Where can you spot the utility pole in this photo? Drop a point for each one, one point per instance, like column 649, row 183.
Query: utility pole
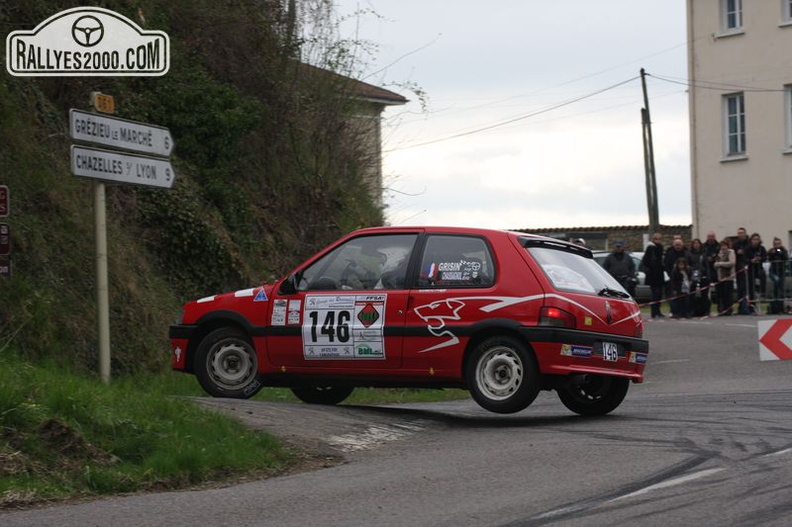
column 649, row 165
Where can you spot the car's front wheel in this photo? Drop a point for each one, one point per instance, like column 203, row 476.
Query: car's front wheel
column 323, row 393
column 226, row 364
column 502, row 375
column 599, row 395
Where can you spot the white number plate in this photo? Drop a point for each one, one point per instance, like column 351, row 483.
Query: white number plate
column 610, row 351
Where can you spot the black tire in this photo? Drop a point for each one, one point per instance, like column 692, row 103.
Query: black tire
column 226, row 364
column 328, row 394
column 502, row 375
column 598, row 396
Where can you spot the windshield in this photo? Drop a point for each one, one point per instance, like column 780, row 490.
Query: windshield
column 569, row 271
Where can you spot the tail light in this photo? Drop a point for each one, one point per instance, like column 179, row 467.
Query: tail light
column 553, row 316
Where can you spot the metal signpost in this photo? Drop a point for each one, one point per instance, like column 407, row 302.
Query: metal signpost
column 152, row 170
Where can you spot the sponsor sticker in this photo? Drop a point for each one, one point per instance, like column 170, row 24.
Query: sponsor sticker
column 637, row 358
column 346, row 327
column 572, row 350
column 279, row 312
column 261, row 296
column 294, row 312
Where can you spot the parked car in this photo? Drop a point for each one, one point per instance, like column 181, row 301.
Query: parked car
column 501, row 314
column 643, row 292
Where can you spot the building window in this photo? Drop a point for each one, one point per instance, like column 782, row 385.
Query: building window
column 731, row 14
column 786, row 10
column 734, row 106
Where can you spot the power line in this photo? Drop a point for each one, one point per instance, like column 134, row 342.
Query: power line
column 516, row 119
column 711, row 85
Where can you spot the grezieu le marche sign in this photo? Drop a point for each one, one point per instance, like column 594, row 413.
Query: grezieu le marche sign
column 120, row 133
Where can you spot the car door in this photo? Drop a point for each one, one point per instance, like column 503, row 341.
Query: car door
column 455, row 277
column 348, row 310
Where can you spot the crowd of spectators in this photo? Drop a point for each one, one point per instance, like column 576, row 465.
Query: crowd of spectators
column 728, row 272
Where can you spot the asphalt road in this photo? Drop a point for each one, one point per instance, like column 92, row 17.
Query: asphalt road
column 707, row 440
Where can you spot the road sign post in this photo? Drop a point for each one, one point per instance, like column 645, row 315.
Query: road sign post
column 127, row 166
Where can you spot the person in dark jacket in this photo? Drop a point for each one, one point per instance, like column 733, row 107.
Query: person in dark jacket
column 652, row 263
column 711, row 250
column 700, row 278
column 777, row 256
column 620, row 265
column 739, row 246
column 680, row 282
column 674, row 253
column 755, row 255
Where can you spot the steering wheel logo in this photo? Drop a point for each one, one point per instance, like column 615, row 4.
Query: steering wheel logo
column 87, row 31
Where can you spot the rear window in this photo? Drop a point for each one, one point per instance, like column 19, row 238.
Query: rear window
column 570, row 271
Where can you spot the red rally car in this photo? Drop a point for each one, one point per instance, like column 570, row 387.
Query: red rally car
column 502, row 314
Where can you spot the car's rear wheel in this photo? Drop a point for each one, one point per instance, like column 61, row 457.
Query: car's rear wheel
column 323, row 393
column 599, row 395
column 226, row 364
column 502, row 375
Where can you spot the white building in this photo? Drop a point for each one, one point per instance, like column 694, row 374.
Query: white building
column 740, row 73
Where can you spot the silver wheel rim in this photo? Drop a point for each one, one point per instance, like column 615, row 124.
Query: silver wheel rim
column 499, row 373
column 232, row 365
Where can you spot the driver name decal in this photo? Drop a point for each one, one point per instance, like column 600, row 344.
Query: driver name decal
column 346, row 327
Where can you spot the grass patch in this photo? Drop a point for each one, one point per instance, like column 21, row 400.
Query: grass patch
column 66, row 436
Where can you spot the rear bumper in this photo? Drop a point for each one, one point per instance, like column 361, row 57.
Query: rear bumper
column 562, row 351
column 582, row 338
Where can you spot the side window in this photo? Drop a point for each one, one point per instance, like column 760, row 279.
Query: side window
column 456, row 261
column 368, row 262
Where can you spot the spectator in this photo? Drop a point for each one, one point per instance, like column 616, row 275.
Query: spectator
column 652, row 263
column 672, row 255
column 680, row 282
column 755, row 255
column 711, row 250
column 725, row 263
column 700, row 281
column 698, row 257
column 739, row 247
column 777, row 256
column 621, row 266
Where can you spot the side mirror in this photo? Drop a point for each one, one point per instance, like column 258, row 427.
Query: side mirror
column 289, row 286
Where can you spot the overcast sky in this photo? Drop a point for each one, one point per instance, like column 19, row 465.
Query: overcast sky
column 569, row 156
